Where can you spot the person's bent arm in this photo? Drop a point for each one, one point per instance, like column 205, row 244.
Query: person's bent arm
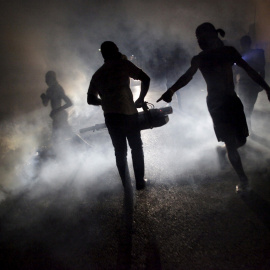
column 92, row 94
column 68, row 103
column 145, row 82
column 181, row 82
column 254, row 75
column 93, row 100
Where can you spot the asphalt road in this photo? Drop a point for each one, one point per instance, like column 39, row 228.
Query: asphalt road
column 189, row 216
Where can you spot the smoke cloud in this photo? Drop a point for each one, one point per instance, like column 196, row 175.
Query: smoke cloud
column 65, row 36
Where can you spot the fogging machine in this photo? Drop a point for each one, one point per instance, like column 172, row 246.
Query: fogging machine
column 149, row 118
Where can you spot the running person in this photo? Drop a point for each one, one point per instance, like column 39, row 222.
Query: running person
column 215, row 63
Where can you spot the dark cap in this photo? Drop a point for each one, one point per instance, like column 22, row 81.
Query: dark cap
column 109, row 50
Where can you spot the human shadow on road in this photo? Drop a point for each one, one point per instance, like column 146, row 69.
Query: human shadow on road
column 151, row 248
column 125, row 236
column 34, row 256
column 259, row 206
column 148, row 240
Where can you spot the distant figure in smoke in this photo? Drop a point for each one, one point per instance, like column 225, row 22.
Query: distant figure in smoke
column 55, row 94
column 175, row 61
column 112, row 83
column 215, row 63
column 247, row 89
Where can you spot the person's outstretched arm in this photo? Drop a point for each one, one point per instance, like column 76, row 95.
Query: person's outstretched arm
column 181, row 82
column 145, row 82
column 254, row 75
column 68, row 103
column 261, row 59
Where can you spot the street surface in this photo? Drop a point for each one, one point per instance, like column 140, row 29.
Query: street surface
column 76, row 215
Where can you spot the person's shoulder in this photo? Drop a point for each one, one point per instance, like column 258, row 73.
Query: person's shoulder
column 228, row 47
column 99, row 71
column 230, row 50
column 55, row 88
column 58, row 86
column 120, row 62
column 127, row 62
column 195, row 60
column 129, row 65
column 197, row 56
column 59, row 89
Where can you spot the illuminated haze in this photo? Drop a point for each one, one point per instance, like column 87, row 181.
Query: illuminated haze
column 65, row 36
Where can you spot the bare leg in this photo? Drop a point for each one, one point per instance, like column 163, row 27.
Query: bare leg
column 236, row 162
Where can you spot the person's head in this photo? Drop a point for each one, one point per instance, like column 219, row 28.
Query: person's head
column 245, row 42
column 207, row 36
column 50, row 78
column 109, row 50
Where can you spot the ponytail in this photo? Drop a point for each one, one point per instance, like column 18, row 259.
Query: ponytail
column 221, row 32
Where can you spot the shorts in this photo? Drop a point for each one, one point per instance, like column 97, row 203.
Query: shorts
column 228, row 118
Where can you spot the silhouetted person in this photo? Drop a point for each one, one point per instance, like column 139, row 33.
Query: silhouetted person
column 247, row 89
column 111, row 82
column 55, row 94
column 215, row 63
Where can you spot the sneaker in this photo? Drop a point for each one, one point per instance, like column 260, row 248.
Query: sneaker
column 142, row 185
column 242, row 188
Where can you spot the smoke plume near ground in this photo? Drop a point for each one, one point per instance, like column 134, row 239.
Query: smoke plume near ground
column 184, row 147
